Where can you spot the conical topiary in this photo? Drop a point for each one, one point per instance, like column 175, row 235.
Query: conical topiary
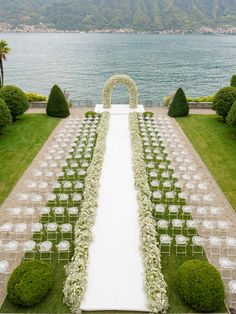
column 231, row 118
column 179, row 106
column 57, row 105
column 233, row 81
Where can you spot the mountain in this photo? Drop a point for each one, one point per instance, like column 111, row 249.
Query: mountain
column 140, row 15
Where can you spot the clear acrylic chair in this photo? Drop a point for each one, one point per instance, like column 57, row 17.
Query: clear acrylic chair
column 63, row 251
column 165, row 244
column 45, row 251
column 28, row 248
column 198, row 245
column 4, row 271
column 181, row 243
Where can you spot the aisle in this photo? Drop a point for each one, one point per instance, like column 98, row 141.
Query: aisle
column 115, row 270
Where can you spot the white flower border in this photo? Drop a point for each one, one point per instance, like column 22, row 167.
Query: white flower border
column 76, row 270
column 120, row 79
column 155, row 284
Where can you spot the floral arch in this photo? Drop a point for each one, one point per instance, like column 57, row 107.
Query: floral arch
column 117, row 80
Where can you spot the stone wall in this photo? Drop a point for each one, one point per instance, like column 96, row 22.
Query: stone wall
column 38, row 104
column 200, row 105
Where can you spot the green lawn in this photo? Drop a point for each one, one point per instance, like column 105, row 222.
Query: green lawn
column 215, row 142
column 19, row 144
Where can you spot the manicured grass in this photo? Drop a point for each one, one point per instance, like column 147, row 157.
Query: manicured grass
column 19, row 144
column 215, row 142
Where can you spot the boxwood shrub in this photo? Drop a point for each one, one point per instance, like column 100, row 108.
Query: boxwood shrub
column 233, row 81
column 33, row 97
column 29, row 283
column 179, row 106
column 200, row 285
column 15, row 99
column 148, row 114
column 57, row 105
column 231, row 118
column 5, row 115
column 223, row 101
column 90, row 114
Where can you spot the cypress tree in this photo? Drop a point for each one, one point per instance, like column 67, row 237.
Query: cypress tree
column 233, row 81
column 179, row 106
column 57, row 105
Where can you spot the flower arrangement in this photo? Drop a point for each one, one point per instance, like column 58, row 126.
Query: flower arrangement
column 76, row 270
column 120, row 79
column 155, row 284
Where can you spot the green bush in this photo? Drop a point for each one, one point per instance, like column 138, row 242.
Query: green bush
column 57, row 105
column 233, row 81
column 15, row 99
column 179, row 106
column 29, row 283
column 223, row 101
column 202, row 99
column 33, row 97
column 148, row 114
column 231, row 117
column 5, row 115
column 200, row 285
column 90, row 114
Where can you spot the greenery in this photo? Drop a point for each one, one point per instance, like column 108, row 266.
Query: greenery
column 200, row 285
column 5, row 115
column 148, row 114
column 32, row 97
column 29, row 283
column 202, row 99
column 15, row 99
column 231, row 118
column 233, row 81
column 19, row 144
column 90, row 114
column 179, row 106
column 4, row 50
column 57, row 105
column 210, row 137
column 223, row 101
column 142, row 15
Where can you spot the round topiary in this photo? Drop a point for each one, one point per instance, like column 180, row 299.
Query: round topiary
column 57, row 105
column 148, row 114
column 15, row 99
column 200, row 285
column 179, row 106
column 231, row 117
column 5, row 115
column 233, row 81
column 223, row 101
column 29, row 283
column 90, row 114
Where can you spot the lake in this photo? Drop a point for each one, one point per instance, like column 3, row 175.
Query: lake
column 80, row 63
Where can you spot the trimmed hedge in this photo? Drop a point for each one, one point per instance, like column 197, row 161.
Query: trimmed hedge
column 231, row 118
column 179, row 106
column 29, row 283
column 57, row 105
column 233, row 81
column 15, row 99
column 5, row 115
column 223, row 101
column 200, row 285
column 90, row 114
column 33, row 97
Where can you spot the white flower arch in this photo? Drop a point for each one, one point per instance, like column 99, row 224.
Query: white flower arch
column 124, row 80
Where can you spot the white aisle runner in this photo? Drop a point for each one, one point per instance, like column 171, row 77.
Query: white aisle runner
column 115, row 270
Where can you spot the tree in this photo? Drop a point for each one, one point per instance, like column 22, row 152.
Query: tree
column 15, row 99
column 231, row 118
column 233, row 81
column 4, row 50
column 179, row 106
column 57, row 105
column 223, row 101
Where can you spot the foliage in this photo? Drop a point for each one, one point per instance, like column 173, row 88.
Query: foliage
column 76, row 270
column 57, row 105
column 233, row 81
column 223, row 101
column 90, row 114
column 140, row 15
column 116, row 80
column 202, row 99
column 33, row 97
column 15, row 99
column 179, row 106
column 231, row 118
column 4, row 50
column 29, row 283
column 148, row 114
column 154, row 281
column 200, row 285
column 5, row 115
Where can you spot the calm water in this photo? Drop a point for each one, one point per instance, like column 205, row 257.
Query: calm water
column 80, row 63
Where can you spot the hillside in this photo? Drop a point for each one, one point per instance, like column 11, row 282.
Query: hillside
column 142, row 15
